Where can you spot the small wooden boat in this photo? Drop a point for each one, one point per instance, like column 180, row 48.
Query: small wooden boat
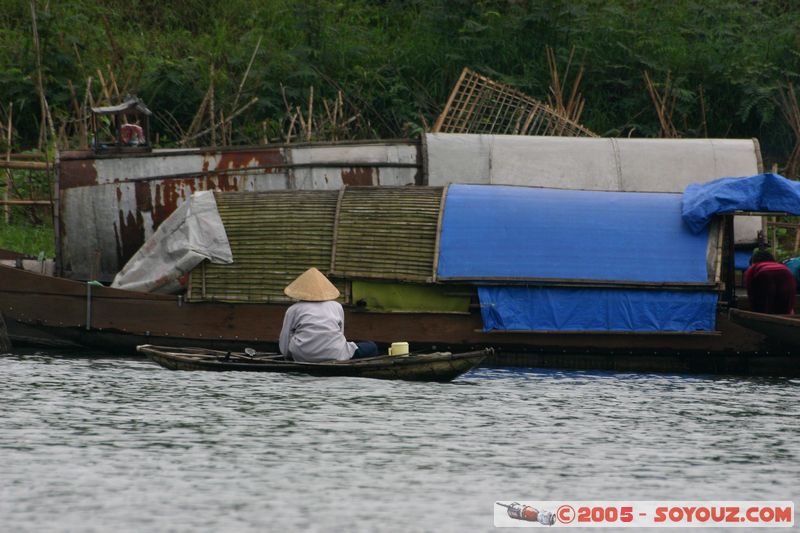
column 782, row 329
column 437, row 366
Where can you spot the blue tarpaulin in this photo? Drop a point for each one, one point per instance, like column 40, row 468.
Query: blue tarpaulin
column 525, row 233
column 762, row 193
column 741, row 259
column 596, row 309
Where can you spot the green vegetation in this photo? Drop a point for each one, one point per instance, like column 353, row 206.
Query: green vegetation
column 28, row 239
column 784, row 239
column 30, row 228
column 395, row 61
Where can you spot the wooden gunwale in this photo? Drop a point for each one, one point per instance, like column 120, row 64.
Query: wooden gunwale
column 778, row 328
column 442, row 366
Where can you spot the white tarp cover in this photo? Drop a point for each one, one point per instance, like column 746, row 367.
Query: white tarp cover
column 593, row 164
column 192, row 233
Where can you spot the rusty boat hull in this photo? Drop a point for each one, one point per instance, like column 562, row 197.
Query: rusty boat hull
column 131, row 194
column 50, row 311
column 437, row 366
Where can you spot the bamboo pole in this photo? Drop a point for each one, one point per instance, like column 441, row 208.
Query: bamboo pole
column 223, row 130
column 791, row 112
column 310, row 113
column 556, row 88
column 28, row 157
column 87, row 104
column 774, row 239
column 198, row 117
column 227, row 120
column 113, row 80
column 23, row 165
column 575, row 103
column 9, row 182
column 104, row 86
column 301, row 118
column 664, row 106
column 328, row 116
column 211, row 114
column 336, row 112
column 285, row 100
column 79, row 116
column 796, row 239
column 246, row 73
column 47, row 119
column 291, row 127
column 88, row 100
column 718, row 258
column 8, row 203
column 437, row 126
column 703, row 111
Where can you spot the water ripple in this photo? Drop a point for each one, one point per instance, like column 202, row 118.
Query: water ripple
column 94, row 443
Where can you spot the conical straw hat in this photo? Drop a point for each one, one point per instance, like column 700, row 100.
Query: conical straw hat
column 311, row 286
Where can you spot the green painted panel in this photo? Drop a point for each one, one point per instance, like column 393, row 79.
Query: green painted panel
column 408, row 297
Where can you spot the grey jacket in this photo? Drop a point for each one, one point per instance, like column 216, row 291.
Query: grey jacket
column 314, row 331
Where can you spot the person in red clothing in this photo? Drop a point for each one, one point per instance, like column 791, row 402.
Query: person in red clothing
column 770, row 285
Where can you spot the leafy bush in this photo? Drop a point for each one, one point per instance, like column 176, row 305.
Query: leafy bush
column 396, row 60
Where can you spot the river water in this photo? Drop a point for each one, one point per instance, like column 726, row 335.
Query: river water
column 110, row 444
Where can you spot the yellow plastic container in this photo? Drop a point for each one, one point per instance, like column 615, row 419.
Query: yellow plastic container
column 398, row 348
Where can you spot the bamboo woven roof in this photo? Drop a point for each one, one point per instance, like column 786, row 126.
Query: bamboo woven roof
column 359, row 232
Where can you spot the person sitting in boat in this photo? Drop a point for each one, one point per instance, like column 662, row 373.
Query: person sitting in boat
column 770, row 285
column 313, row 328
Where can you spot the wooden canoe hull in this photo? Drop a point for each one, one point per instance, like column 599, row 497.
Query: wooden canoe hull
column 439, row 367
column 779, row 329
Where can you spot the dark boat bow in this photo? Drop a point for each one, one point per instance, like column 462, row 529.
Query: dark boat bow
column 780, row 329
